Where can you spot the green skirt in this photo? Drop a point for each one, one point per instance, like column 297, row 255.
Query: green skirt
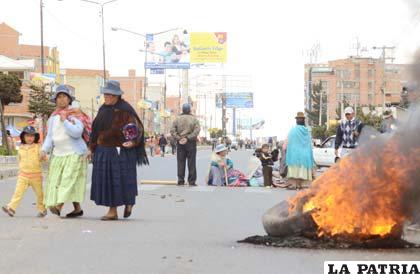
column 299, row 172
column 66, row 180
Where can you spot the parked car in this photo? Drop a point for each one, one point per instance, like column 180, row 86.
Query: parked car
column 324, row 154
column 234, row 145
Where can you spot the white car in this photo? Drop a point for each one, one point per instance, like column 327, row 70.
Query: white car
column 324, row 154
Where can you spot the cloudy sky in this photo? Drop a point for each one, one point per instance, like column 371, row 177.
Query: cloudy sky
column 267, row 40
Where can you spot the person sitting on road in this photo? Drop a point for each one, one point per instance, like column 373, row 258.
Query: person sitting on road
column 219, row 166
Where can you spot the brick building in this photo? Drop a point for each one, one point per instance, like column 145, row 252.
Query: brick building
column 357, row 81
column 10, row 47
column 17, row 114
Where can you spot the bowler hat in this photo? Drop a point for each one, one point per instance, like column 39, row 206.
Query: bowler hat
column 112, row 87
column 300, row 114
column 64, row 89
column 220, row 148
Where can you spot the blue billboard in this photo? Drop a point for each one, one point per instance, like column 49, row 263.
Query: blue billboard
column 168, row 50
column 235, row 100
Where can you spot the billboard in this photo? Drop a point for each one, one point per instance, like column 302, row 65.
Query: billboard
column 208, row 47
column 236, row 100
column 169, row 50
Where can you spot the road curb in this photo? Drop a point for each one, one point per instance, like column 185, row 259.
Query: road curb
column 8, row 173
column 156, row 182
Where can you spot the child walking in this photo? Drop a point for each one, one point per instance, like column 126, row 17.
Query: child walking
column 30, row 172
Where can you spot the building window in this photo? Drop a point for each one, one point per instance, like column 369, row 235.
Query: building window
column 370, row 86
column 370, row 73
column 357, row 71
column 370, row 99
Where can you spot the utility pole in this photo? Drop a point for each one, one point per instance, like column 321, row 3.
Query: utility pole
column 42, row 36
column 224, row 105
column 383, row 59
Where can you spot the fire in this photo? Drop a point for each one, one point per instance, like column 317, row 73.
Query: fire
column 362, row 195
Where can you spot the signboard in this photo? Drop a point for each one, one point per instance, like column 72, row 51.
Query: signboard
column 236, row 100
column 157, row 71
column 208, row 47
column 169, row 50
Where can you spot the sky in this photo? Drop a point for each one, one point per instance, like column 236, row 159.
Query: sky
column 268, row 41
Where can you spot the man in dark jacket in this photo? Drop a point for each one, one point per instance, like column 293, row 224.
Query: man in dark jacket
column 348, row 132
column 185, row 130
column 162, row 144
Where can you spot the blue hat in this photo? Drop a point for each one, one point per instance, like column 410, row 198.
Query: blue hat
column 186, row 108
column 29, row 130
column 64, row 89
column 112, row 87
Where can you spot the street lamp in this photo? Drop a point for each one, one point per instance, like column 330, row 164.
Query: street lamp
column 103, row 31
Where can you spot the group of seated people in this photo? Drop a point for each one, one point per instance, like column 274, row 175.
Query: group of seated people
column 264, row 169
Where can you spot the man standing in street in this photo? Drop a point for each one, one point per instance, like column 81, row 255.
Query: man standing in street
column 348, row 132
column 185, row 130
column 162, row 144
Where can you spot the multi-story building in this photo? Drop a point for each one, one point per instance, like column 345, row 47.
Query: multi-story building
column 10, row 47
column 357, row 81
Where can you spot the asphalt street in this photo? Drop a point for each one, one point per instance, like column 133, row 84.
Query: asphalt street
column 173, row 230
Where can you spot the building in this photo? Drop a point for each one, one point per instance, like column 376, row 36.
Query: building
column 357, row 81
column 17, row 114
column 87, row 84
column 10, row 47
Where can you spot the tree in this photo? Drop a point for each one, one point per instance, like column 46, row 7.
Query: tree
column 369, row 119
column 215, row 132
column 9, row 93
column 40, row 103
column 313, row 113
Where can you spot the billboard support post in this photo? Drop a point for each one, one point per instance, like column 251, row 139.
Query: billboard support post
column 234, row 122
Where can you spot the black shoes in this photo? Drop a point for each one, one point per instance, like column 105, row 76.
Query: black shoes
column 75, row 214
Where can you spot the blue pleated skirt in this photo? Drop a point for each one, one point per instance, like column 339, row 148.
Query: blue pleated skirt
column 114, row 177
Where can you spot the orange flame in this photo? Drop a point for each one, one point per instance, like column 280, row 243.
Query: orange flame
column 361, row 195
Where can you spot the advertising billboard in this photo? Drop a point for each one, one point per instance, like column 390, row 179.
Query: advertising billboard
column 169, row 50
column 208, row 47
column 236, row 100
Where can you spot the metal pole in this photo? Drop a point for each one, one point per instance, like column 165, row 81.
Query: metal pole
column 42, row 37
column 164, row 106
column 320, row 109
column 144, row 81
column 103, row 41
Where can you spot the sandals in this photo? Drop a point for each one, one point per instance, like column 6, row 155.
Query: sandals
column 42, row 214
column 8, row 211
column 127, row 213
column 75, row 214
column 54, row 210
column 109, row 218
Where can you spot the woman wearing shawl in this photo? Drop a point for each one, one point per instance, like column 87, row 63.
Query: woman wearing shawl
column 116, row 153
column 299, row 156
column 67, row 128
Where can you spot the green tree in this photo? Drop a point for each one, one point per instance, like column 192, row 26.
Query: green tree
column 318, row 132
column 313, row 114
column 40, row 103
column 369, row 119
column 9, row 93
column 215, row 132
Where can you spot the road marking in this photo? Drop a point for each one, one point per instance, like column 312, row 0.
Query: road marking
column 202, row 188
column 257, row 190
column 148, row 187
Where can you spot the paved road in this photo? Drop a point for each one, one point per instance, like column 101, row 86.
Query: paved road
column 173, row 230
